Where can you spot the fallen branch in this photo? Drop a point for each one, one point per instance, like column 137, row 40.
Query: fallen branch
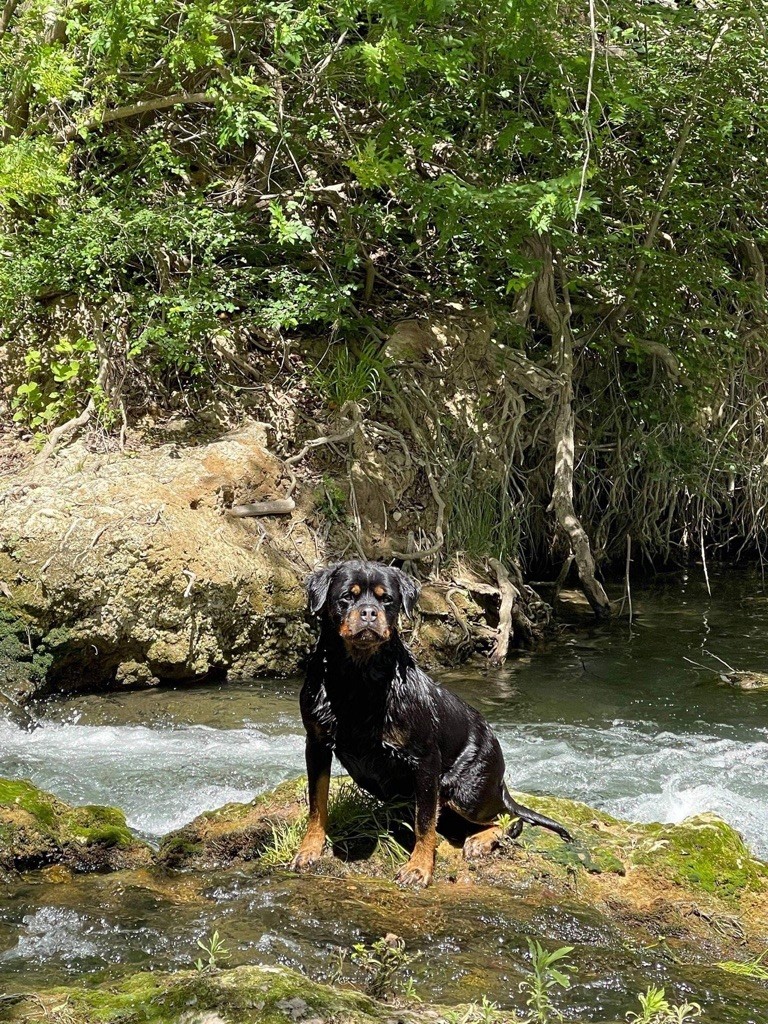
column 314, row 443
column 95, row 119
column 277, row 507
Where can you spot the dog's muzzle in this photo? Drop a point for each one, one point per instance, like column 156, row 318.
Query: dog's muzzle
column 365, row 626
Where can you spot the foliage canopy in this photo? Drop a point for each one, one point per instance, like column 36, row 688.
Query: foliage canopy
column 174, row 174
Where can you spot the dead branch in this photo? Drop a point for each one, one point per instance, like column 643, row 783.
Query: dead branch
column 278, row 507
column 509, row 595
column 64, row 430
column 657, row 349
column 95, row 118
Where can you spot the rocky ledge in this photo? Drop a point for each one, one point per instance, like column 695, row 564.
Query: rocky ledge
column 695, row 881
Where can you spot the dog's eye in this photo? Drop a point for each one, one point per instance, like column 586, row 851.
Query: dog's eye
column 385, row 599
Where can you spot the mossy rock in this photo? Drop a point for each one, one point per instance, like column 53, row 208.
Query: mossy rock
column 704, row 852
column 662, row 878
column 37, row 829
column 23, row 662
column 234, row 832
column 244, row 995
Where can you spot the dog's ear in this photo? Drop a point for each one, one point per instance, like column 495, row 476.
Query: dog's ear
column 318, row 585
column 409, row 591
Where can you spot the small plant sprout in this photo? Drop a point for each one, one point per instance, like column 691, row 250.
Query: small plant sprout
column 656, row 1009
column 384, row 964
column 505, row 823
column 475, row 1013
column 216, row 952
column 544, row 977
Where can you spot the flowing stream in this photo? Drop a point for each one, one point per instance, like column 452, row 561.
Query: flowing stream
column 612, row 715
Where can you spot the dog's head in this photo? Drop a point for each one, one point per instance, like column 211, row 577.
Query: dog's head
column 361, row 602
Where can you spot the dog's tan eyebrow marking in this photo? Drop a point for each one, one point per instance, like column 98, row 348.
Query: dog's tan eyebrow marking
column 355, row 589
column 379, row 591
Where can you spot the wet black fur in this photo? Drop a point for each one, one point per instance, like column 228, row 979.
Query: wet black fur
column 397, row 733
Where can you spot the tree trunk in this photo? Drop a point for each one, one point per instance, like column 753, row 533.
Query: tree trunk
column 556, row 313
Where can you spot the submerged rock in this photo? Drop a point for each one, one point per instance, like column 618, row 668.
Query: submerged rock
column 743, row 680
column 246, row 995
column 37, row 829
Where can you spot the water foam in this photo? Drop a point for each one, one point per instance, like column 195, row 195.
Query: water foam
column 637, row 772
column 164, row 777
column 161, row 778
column 54, row 933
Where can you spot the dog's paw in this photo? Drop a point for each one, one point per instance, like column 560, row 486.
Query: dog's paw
column 305, row 860
column 483, row 844
column 413, row 875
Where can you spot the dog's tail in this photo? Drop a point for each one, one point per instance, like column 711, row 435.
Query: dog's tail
column 525, row 814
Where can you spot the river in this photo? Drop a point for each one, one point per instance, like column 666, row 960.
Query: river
column 613, row 715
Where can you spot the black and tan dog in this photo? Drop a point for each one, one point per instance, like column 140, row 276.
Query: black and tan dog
column 399, row 735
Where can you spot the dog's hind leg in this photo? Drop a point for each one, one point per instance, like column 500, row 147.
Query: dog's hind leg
column 481, row 844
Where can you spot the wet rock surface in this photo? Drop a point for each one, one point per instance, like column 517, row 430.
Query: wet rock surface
column 640, row 904
column 695, row 880
column 37, row 829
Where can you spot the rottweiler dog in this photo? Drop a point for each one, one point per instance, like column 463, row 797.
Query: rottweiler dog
column 398, row 734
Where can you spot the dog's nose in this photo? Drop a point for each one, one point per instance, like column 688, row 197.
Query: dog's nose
column 368, row 614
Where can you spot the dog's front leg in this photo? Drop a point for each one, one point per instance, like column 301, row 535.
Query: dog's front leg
column 318, row 779
column 418, row 870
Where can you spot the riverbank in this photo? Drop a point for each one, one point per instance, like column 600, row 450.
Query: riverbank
column 689, row 895
column 130, row 568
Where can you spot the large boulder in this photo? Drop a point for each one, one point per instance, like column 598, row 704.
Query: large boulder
column 127, row 568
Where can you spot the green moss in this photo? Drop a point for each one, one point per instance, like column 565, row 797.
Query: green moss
column 26, row 797
column 595, row 859
column 98, row 825
column 177, row 848
column 705, row 853
column 18, row 639
column 702, row 853
column 38, row 829
column 570, row 813
column 245, row 995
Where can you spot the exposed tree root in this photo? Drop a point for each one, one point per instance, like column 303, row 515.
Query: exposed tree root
column 556, row 313
column 58, row 434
